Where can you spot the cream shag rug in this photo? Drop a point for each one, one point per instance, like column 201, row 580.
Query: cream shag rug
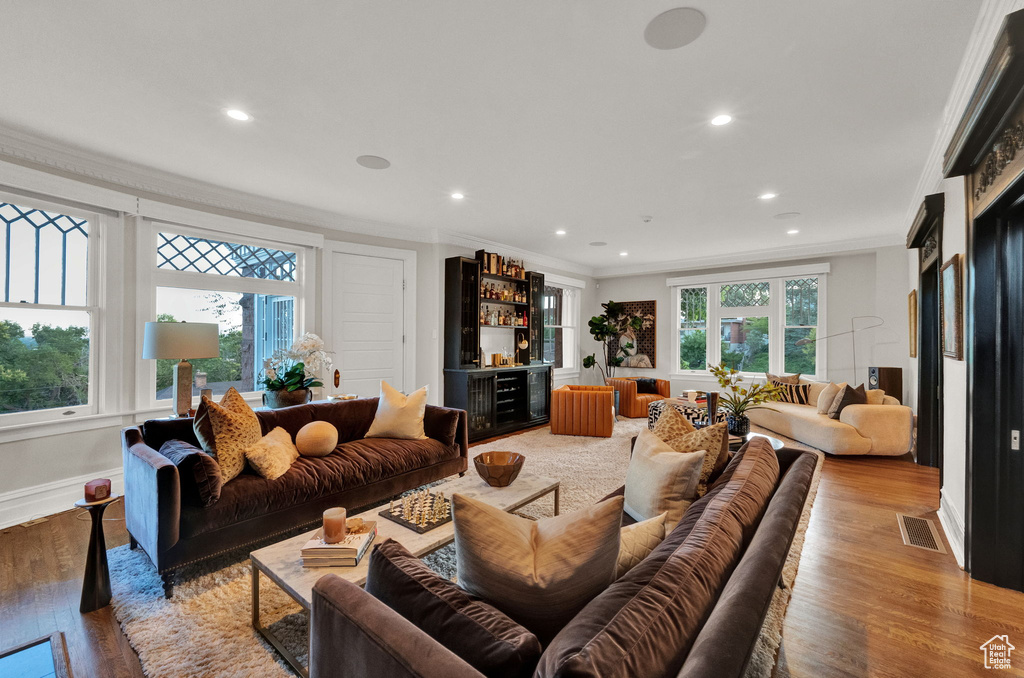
column 206, row 629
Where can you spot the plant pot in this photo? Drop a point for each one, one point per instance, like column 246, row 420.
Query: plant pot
column 738, row 426
column 278, row 399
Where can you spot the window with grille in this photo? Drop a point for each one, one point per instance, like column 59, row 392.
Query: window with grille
column 561, row 320
column 47, row 315
column 250, row 290
column 757, row 326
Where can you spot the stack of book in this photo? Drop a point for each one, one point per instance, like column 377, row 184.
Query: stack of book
column 346, row 553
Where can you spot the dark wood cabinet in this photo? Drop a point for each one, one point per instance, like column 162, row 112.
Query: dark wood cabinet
column 498, row 399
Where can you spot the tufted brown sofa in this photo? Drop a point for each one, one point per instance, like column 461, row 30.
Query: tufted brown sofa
column 175, row 532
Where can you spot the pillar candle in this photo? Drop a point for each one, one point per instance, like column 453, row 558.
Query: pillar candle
column 334, row 525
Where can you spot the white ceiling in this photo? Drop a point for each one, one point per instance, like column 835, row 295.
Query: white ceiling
column 546, row 115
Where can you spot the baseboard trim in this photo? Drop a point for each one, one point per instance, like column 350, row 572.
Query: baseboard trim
column 20, row 506
column 953, row 526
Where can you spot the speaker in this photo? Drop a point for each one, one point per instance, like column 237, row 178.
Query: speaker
column 889, row 379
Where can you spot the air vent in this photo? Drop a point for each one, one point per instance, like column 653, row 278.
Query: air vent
column 920, row 532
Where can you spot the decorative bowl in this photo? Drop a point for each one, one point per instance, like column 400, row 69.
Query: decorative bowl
column 499, row 469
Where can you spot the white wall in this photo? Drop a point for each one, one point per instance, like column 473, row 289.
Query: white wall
column 865, row 283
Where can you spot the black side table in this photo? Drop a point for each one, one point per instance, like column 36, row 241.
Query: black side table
column 96, row 585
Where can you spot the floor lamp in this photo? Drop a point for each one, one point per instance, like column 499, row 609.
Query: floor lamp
column 853, row 336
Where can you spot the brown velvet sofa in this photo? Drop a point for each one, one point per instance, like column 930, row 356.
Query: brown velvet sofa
column 693, row 608
column 175, row 532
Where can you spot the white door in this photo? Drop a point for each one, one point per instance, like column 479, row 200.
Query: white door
column 367, row 322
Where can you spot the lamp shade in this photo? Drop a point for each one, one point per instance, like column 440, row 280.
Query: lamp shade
column 181, row 341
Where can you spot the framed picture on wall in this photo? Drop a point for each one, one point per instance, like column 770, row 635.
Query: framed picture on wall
column 912, row 321
column 951, row 300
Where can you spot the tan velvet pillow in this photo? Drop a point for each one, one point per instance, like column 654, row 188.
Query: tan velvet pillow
column 714, row 440
column 636, row 542
column 235, row 427
column 660, row 480
column 398, row 415
column 828, row 396
column 273, row 454
column 316, row 439
column 540, row 573
column 785, row 379
column 876, row 396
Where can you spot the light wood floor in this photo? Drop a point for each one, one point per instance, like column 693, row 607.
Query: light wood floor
column 863, row 604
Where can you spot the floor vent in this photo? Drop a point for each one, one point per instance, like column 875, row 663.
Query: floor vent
column 920, row 532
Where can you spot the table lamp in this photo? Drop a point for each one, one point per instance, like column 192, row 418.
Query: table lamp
column 181, row 341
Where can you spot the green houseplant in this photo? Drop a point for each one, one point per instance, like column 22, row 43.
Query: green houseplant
column 289, row 375
column 737, row 400
column 613, row 323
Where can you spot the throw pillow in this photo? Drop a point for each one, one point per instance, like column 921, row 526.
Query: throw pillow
column 876, row 396
column 316, row 439
column 636, row 542
column 646, row 385
column 714, row 440
column 671, row 424
column 828, row 395
column 784, row 378
column 539, row 572
column 235, row 427
column 847, row 396
column 661, row 480
column 793, row 393
column 273, row 454
column 198, row 472
column 398, row 415
column 483, row 636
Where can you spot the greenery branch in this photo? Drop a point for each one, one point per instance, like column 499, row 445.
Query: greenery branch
column 738, row 399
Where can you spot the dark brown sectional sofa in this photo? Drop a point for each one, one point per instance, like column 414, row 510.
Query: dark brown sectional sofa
column 174, row 530
column 693, row 608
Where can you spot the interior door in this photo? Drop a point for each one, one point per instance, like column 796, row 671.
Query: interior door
column 930, row 386
column 367, row 322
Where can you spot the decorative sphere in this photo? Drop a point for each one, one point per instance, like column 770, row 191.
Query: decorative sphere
column 316, row 439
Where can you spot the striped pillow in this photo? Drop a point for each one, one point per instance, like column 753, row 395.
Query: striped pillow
column 793, row 393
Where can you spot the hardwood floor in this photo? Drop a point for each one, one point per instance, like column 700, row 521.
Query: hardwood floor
column 863, row 604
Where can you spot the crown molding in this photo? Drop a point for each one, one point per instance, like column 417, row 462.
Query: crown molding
column 983, row 36
column 535, row 259
column 756, row 257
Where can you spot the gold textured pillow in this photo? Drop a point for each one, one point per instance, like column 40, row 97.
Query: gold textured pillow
column 636, row 542
column 273, row 454
column 316, row 439
column 714, row 440
column 540, row 573
column 398, row 415
column 672, row 424
column 660, row 480
column 235, row 427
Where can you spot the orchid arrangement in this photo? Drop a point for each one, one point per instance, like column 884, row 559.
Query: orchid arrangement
column 298, row 367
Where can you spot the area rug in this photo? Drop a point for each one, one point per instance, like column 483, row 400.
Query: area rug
column 210, row 614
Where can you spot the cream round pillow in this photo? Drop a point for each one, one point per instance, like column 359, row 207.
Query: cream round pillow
column 316, row 439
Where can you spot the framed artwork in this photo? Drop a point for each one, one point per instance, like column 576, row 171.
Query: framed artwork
column 912, row 320
column 950, row 301
column 639, row 348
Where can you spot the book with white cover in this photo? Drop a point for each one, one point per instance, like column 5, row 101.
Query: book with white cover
column 347, row 552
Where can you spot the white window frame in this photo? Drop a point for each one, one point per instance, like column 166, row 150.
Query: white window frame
column 775, row 311
column 214, row 227
column 96, row 292
column 576, row 288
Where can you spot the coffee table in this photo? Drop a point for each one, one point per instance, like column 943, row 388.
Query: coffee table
column 281, row 562
column 736, row 442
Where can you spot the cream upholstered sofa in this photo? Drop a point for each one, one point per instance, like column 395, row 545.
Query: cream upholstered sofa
column 882, row 427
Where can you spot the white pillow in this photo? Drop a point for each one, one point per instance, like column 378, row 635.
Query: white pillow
column 661, row 480
column 637, row 541
column 540, row 573
column 398, row 415
column 273, row 454
column 827, row 395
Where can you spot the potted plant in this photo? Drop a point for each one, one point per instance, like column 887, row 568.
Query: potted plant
column 289, row 375
column 615, row 322
column 737, row 399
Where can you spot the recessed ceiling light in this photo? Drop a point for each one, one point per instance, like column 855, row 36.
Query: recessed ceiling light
column 787, row 215
column 767, row 196
column 623, row 254
column 238, row 115
column 792, row 231
column 598, row 243
column 559, row 232
column 373, row 162
column 457, row 196
column 720, row 120
column 675, row 28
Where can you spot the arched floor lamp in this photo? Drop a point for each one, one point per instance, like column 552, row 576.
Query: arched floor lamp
column 853, row 338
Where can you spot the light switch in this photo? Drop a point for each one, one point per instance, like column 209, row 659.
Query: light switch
column 1015, row 439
